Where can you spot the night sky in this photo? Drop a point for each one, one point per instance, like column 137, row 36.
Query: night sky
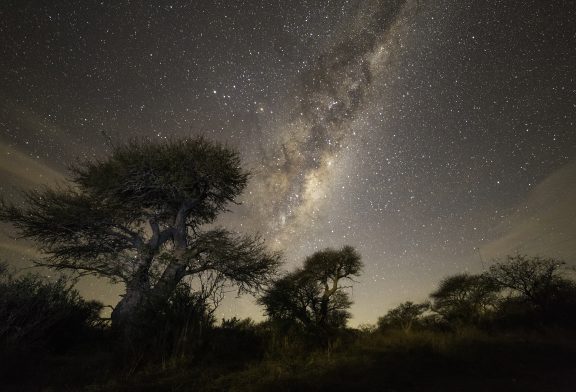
column 433, row 136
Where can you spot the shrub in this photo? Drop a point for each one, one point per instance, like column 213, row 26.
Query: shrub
column 173, row 329
column 37, row 313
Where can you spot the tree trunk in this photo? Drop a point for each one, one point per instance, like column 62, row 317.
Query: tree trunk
column 172, row 275
column 325, row 301
column 138, row 291
column 167, row 283
column 324, row 310
column 126, row 311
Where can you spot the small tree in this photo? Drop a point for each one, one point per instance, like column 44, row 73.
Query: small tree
column 465, row 298
column 403, row 316
column 313, row 295
column 136, row 217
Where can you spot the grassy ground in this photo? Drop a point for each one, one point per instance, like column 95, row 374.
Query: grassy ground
column 424, row 361
column 420, row 362
column 468, row 360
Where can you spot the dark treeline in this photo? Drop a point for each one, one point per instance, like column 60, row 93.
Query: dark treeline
column 514, row 323
column 145, row 218
column 520, row 292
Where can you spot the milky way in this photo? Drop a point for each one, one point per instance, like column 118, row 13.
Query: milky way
column 433, row 136
column 332, row 95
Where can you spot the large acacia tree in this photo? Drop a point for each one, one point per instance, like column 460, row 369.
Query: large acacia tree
column 137, row 217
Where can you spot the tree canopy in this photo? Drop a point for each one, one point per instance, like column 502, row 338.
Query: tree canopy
column 313, row 295
column 403, row 316
column 533, row 278
column 464, row 297
column 536, row 285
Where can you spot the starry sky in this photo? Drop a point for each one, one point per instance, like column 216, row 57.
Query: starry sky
column 433, row 136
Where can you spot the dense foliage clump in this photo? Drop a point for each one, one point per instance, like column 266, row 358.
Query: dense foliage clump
column 37, row 313
column 313, row 296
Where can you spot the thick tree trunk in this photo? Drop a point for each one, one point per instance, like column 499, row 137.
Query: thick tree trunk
column 125, row 311
column 124, row 316
column 167, row 283
column 139, row 292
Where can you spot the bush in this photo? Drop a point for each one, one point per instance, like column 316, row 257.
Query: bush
column 171, row 330
column 36, row 313
column 238, row 341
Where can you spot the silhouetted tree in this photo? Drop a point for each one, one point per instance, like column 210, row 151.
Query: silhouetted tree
column 465, row 298
column 329, row 267
column 136, row 217
column 314, row 295
column 403, row 316
column 538, row 283
column 526, row 275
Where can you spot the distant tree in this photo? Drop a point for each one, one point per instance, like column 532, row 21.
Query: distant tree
column 297, row 297
column 292, row 297
column 136, row 217
column 465, row 298
column 329, row 267
column 313, row 295
column 403, row 316
column 535, row 280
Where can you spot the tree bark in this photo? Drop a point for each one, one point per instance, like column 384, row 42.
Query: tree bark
column 139, row 293
column 137, row 289
column 124, row 312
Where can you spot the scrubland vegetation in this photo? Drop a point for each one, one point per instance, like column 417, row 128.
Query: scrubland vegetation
column 460, row 340
column 140, row 218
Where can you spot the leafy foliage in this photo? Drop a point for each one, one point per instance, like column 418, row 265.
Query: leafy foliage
column 537, row 290
column 297, row 297
column 151, row 180
column 243, row 355
column 533, row 278
column 403, row 316
column 312, row 296
column 465, row 298
column 175, row 328
column 36, row 313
